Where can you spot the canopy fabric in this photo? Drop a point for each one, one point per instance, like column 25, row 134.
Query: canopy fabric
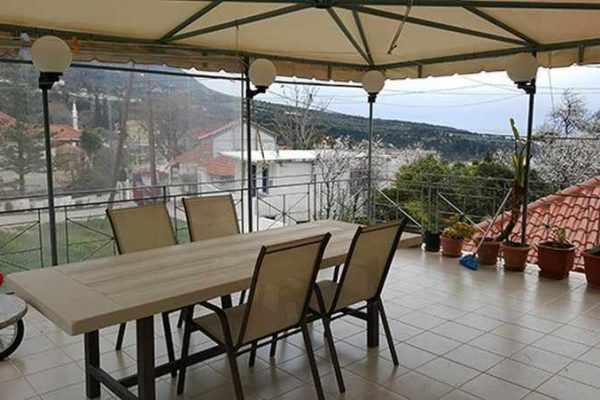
column 321, row 39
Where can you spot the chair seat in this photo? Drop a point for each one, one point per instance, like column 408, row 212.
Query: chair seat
column 328, row 289
column 211, row 324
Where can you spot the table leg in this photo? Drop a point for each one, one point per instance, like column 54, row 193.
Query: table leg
column 226, row 301
column 372, row 324
column 145, row 358
column 91, row 344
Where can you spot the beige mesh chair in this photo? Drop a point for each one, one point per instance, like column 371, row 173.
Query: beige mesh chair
column 211, row 217
column 138, row 229
column 362, row 279
column 281, row 288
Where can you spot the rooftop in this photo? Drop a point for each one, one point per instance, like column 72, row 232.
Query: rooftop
column 275, row 155
column 577, row 209
column 460, row 334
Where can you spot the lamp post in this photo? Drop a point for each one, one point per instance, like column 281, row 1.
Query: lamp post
column 372, row 82
column 51, row 56
column 262, row 74
column 522, row 70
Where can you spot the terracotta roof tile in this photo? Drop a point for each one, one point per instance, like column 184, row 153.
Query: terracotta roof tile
column 577, row 209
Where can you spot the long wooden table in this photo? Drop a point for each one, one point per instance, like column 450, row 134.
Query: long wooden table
column 82, row 298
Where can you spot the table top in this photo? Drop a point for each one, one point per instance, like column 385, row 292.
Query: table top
column 12, row 309
column 87, row 296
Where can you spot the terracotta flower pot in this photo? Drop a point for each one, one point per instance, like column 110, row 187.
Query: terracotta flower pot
column 452, row 247
column 488, row 252
column 555, row 260
column 515, row 257
column 592, row 268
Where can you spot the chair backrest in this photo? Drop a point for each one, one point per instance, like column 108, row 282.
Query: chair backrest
column 141, row 228
column 281, row 286
column 210, row 217
column 367, row 263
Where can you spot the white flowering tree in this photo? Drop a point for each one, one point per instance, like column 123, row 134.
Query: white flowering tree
column 567, row 145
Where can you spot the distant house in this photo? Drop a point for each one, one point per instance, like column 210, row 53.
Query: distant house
column 205, row 161
column 577, row 209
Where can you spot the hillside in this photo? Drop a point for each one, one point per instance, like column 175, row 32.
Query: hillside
column 210, row 108
column 451, row 143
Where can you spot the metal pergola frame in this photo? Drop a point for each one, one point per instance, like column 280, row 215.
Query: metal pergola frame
column 524, row 43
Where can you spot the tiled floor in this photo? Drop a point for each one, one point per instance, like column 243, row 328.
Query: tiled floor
column 460, row 334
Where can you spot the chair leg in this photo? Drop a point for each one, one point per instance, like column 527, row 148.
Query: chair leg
column 169, row 341
column 185, row 350
column 333, row 353
column 252, row 358
column 242, row 297
column 388, row 332
column 336, row 273
column 235, row 373
column 273, row 348
column 181, row 319
column 120, row 336
column 312, row 362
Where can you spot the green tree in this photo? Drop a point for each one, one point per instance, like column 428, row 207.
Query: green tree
column 21, row 153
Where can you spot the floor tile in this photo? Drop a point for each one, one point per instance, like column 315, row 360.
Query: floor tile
column 582, row 372
column 42, row 361
column 457, row 332
column 433, row 343
column 448, row 371
column 490, row 388
column 459, row 395
column 592, row 356
column 479, row 322
column 561, row 346
column 421, row 320
column 542, row 359
column 562, row 388
column 377, row 369
column 473, row 357
column 497, row 344
column 16, row 389
column 56, row 378
column 416, row 386
column 518, row 333
column 409, row 356
column 520, row 374
column 538, row 324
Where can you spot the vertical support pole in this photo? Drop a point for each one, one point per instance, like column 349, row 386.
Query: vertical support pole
column 49, row 179
column 372, row 324
column 91, row 346
column 315, row 197
column 145, row 358
column 249, row 152
column 242, row 148
column 531, row 91
column 370, row 163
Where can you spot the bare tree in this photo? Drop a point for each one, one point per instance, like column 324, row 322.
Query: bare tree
column 342, row 168
column 569, row 118
column 299, row 128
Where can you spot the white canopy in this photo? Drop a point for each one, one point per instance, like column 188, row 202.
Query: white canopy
column 323, row 39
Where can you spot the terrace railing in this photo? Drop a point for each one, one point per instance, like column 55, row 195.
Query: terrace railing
column 84, row 232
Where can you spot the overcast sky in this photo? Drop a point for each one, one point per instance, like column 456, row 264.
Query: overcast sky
column 481, row 102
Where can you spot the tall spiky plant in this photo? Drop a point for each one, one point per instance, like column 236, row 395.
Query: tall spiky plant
column 518, row 185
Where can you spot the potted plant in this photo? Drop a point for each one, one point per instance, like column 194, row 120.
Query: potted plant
column 556, row 257
column 454, row 235
column 515, row 253
column 591, row 261
column 488, row 251
column 429, row 225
